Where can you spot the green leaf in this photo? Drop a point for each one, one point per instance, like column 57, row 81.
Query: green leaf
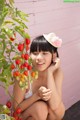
column 8, row 22
column 16, row 22
column 11, row 83
column 20, row 30
column 6, row 70
column 20, row 22
column 30, row 61
column 11, row 2
column 15, row 57
column 1, row 64
column 3, row 36
column 1, row 56
column 1, row 45
column 8, row 32
column 2, row 1
column 22, row 15
column 4, row 45
column 1, row 21
column 26, row 35
column 3, row 79
column 4, row 109
column 5, row 65
column 4, row 12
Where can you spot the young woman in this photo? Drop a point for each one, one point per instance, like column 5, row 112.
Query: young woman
column 43, row 101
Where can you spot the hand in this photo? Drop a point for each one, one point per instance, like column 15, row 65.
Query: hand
column 55, row 65
column 44, row 93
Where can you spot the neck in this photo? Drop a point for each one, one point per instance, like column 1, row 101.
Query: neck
column 42, row 74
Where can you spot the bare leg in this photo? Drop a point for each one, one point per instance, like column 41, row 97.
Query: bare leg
column 30, row 118
column 37, row 111
column 59, row 115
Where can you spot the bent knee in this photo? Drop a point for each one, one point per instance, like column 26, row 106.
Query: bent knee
column 41, row 110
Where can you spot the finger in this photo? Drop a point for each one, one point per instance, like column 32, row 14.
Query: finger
column 46, row 90
column 57, row 60
column 42, row 88
column 42, row 94
column 54, row 56
column 47, row 94
column 46, row 98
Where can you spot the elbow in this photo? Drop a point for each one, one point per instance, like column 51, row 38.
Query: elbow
column 59, row 111
column 62, row 111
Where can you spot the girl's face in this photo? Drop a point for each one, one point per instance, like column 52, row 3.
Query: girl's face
column 41, row 60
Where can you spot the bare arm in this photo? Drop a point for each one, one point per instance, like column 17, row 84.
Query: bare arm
column 55, row 84
column 18, row 94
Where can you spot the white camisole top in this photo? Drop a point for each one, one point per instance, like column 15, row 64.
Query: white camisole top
column 29, row 93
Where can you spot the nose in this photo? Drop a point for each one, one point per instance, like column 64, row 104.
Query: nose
column 39, row 56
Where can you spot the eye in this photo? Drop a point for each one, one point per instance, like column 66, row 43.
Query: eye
column 45, row 53
column 35, row 53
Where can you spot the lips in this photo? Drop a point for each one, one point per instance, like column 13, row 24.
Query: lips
column 40, row 64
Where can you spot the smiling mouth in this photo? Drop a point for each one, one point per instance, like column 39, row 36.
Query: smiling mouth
column 40, row 64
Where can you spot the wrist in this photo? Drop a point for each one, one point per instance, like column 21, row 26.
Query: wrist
column 37, row 96
column 49, row 73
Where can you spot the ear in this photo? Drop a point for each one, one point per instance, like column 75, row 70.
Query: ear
column 54, row 56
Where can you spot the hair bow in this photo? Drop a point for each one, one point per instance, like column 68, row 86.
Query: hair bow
column 53, row 39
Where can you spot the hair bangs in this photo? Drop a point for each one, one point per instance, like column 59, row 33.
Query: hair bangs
column 40, row 45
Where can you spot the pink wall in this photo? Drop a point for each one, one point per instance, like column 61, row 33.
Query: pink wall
column 64, row 19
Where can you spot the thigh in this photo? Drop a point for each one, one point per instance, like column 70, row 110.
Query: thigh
column 30, row 118
column 38, row 108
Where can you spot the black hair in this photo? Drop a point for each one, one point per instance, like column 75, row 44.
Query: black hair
column 41, row 44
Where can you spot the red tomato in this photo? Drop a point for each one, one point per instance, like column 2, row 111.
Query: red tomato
column 22, row 66
column 27, row 41
column 20, row 47
column 16, row 73
column 8, row 104
column 26, row 56
column 29, row 67
column 12, row 66
column 22, row 55
column 14, row 114
column 16, row 117
column 19, row 118
column 18, row 110
column 17, row 61
column 27, row 47
column 12, row 39
column 26, row 72
column 25, row 64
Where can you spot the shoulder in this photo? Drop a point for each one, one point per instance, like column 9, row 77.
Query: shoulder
column 58, row 73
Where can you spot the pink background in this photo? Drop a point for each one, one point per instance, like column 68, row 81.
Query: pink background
column 64, row 19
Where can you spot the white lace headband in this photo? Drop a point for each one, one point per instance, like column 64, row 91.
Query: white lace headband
column 53, row 39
